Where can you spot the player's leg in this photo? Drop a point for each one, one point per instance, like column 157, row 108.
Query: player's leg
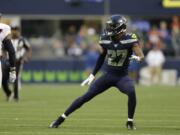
column 5, row 80
column 97, row 87
column 17, row 82
column 125, row 85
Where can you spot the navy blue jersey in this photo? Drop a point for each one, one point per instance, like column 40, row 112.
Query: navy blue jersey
column 118, row 53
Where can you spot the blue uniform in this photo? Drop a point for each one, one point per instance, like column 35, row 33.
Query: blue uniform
column 118, row 53
column 116, row 70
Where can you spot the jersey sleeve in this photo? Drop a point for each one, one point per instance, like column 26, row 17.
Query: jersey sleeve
column 134, row 39
column 5, row 30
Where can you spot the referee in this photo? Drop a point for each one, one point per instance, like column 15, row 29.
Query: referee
column 23, row 53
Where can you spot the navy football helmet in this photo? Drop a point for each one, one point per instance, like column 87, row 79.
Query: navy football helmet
column 116, row 24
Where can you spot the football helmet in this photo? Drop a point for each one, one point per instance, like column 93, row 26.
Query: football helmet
column 115, row 24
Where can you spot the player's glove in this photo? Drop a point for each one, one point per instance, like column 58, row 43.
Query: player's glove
column 136, row 58
column 88, row 80
column 12, row 75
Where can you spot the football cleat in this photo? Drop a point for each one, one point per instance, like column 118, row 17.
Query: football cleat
column 56, row 123
column 130, row 125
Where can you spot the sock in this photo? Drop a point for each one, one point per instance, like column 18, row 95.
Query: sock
column 130, row 119
column 64, row 116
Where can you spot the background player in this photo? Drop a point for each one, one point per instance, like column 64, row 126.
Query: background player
column 23, row 53
column 118, row 47
column 5, row 42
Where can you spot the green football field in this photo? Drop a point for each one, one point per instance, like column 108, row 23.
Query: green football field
column 158, row 111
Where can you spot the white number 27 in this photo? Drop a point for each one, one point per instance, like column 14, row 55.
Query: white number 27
column 117, row 57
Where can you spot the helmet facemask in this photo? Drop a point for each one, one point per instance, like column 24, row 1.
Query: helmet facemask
column 115, row 27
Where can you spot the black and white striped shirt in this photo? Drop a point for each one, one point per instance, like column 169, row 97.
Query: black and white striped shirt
column 21, row 45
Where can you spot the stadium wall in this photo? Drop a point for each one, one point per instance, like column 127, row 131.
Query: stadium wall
column 72, row 70
column 87, row 7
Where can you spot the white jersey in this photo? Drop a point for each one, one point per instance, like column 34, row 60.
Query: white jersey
column 155, row 58
column 4, row 31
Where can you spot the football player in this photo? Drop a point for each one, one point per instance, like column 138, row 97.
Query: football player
column 5, row 42
column 118, row 46
column 23, row 53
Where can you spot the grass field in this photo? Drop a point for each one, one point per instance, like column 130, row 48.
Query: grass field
column 158, row 112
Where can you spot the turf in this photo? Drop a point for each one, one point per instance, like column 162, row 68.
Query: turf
column 158, row 112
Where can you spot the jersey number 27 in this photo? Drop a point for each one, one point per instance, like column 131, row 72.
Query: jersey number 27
column 117, row 57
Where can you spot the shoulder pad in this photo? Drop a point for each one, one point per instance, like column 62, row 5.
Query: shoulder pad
column 104, row 39
column 103, row 36
column 24, row 41
column 4, row 26
column 130, row 38
column 5, row 30
column 132, row 35
column 21, row 39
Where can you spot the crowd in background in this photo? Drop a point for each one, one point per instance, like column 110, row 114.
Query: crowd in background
column 165, row 35
column 83, row 40
column 77, row 43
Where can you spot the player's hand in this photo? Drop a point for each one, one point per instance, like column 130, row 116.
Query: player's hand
column 136, row 58
column 12, row 75
column 88, row 80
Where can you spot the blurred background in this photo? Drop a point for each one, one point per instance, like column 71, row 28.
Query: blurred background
column 64, row 37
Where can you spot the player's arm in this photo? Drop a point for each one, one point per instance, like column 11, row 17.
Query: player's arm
column 28, row 49
column 139, row 56
column 29, row 53
column 8, row 46
column 99, row 62
column 97, row 67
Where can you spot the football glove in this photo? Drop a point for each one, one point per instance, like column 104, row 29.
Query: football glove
column 12, row 75
column 88, row 80
column 136, row 58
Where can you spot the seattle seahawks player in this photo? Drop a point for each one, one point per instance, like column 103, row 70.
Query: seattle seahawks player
column 5, row 42
column 118, row 46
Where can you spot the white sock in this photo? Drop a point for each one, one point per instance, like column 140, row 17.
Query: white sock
column 64, row 116
column 130, row 119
